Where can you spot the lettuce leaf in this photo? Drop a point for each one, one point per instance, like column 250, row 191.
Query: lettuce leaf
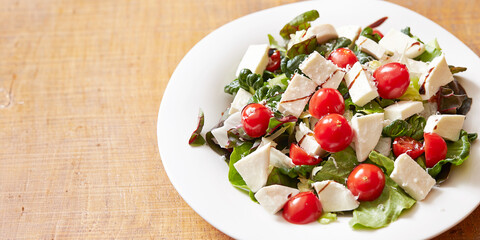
column 453, row 99
column 368, row 33
column 306, row 46
column 290, row 66
column 274, row 44
column 233, row 176
column 338, row 166
column 247, row 80
column 327, row 217
column 413, row 127
column 326, row 48
column 278, row 177
column 432, row 50
column 300, row 22
column 383, row 161
column 383, row 210
column 196, row 139
column 412, row 92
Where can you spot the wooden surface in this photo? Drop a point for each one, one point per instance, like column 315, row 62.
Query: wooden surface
column 79, row 156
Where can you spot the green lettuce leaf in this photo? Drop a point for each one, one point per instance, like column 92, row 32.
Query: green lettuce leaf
column 280, row 80
column 277, row 176
column 413, row 127
column 298, row 171
column 300, row 22
column 270, row 96
column 290, row 66
column 327, row 217
column 368, row 33
column 233, row 176
column 383, row 210
column 432, row 50
column 412, row 92
column 383, row 161
column 247, row 80
column 326, row 48
column 274, row 44
column 306, row 46
column 363, row 57
column 338, row 166
column 196, row 139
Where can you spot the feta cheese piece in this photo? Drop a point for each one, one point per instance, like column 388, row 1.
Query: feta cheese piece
column 437, row 75
column 384, row 146
column 447, row 126
column 350, row 31
column 368, row 130
column 279, row 159
column 255, row 59
column 397, row 41
column 334, row 80
column 371, row 47
column 411, row 177
column 335, row 197
column 306, row 140
column 220, row 133
column 416, row 68
column 240, row 101
column 322, row 32
column 317, row 68
column 296, row 96
column 361, row 87
column 402, row 110
column 272, row 198
column 254, row 168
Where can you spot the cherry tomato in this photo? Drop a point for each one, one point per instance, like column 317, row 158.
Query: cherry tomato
column 366, row 181
column 325, row 101
column 392, row 80
column 377, row 32
column 302, row 208
column 343, row 57
column 407, row 145
column 300, row 157
column 274, row 61
column 435, row 149
column 255, row 118
column 333, row 132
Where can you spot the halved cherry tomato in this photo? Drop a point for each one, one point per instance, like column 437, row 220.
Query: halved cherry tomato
column 377, row 32
column 435, row 149
column 300, row 157
column 333, row 132
column 407, row 145
column 343, row 57
column 392, row 80
column 274, row 61
column 302, row 208
column 366, row 181
column 325, row 101
column 255, row 119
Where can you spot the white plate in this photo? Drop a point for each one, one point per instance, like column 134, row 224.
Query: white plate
column 200, row 175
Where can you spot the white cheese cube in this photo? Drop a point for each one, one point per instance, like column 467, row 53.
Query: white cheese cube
column 322, row 32
column 272, row 198
column 306, row 140
column 368, row 130
column 350, row 31
column 334, row 80
column 402, row 110
column 241, row 99
column 391, row 57
column 384, row 146
column 437, row 75
column 361, row 87
column 335, row 197
column 397, row 41
column 447, row 126
column 416, row 68
column 317, row 68
column 279, row 159
column 254, row 168
column 411, row 177
column 296, row 96
column 371, row 47
column 255, row 59
column 220, row 133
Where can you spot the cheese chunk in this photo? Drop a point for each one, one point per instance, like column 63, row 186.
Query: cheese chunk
column 322, row 32
column 280, row 160
column 335, row 197
column 220, row 133
column 447, row 126
column 350, row 31
column 296, row 96
column 317, row 68
column 255, row 59
column 307, row 142
column 411, row 177
column 371, row 47
column 254, row 168
column 397, row 41
column 416, row 68
column 437, row 75
column 334, row 80
column 384, row 146
column 241, row 100
column 272, row 198
column 368, row 130
column 361, row 87
column 402, row 110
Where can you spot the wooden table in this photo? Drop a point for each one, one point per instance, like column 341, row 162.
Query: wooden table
column 81, row 83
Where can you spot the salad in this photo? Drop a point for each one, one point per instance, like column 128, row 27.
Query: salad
column 341, row 119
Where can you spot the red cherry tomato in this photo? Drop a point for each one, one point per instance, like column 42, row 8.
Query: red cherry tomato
column 274, row 61
column 377, row 32
column 302, row 208
column 392, row 80
column 366, row 181
column 343, row 57
column 333, row 132
column 255, row 118
column 300, row 157
column 325, row 101
column 435, row 149
column 407, row 145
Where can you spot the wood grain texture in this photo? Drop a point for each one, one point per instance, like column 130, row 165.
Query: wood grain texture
column 79, row 157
